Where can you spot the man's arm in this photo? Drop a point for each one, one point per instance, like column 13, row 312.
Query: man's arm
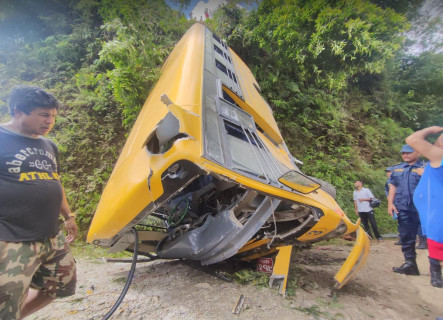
column 356, row 208
column 70, row 224
column 391, row 196
column 417, row 140
column 369, row 194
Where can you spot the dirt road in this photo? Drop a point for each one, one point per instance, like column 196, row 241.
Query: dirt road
column 172, row 290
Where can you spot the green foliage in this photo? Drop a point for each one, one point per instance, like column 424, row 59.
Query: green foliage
column 323, row 43
column 24, row 21
column 295, row 280
column 245, row 276
column 136, row 40
column 316, row 312
column 225, row 19
column 408, row 7
column 417, row 83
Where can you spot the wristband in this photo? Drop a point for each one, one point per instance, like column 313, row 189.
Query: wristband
column 70, row 215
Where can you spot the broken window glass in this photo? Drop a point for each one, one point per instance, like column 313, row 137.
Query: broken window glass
column 243, row 157
column 216, row 38
column 212, row 135
column 217, row 49
column 221, row 67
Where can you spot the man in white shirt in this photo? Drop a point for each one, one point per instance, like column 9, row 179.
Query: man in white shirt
column 362, row 199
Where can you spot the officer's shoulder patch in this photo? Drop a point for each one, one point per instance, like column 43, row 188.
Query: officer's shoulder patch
column 398, row 165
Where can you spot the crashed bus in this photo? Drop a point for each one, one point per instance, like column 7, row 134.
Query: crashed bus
column 205, row 173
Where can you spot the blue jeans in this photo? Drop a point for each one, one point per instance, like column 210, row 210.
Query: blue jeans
column 408, row 223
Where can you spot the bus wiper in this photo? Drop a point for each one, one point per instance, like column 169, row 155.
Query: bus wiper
column 253, row 173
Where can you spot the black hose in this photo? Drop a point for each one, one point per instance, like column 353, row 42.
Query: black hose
column 128, row 280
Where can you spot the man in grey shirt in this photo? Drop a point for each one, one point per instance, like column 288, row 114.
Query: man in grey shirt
column 362, row 200
column 36, row 263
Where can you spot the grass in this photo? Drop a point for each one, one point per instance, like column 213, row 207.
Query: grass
column 317, row 313
column 314, row 311
column 78, row 300
column 119, row 280
column 335, row 242
column 249, row 276
column 81, row 249
column 332, row 303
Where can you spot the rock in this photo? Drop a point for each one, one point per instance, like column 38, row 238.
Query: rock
column 153, row 299
column 203, row 285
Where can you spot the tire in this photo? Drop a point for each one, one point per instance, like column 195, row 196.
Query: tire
column 326, row 187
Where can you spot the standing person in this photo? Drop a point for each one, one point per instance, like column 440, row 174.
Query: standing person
column 36, row 265
column 428, row 197
column 402, row 184
column 362, row 200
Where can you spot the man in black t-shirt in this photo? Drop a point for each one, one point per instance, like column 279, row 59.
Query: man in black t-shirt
column 36, row 265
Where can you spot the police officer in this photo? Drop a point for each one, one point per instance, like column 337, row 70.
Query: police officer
column 402, row 183
column 388, row 172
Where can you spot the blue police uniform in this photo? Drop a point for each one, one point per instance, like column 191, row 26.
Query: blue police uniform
column 405, row 177
column 388, row 169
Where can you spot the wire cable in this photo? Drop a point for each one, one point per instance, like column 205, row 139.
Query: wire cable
column 128, row 280
column 174, row 224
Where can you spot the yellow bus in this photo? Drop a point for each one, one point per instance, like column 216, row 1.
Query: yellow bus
column 205, row 173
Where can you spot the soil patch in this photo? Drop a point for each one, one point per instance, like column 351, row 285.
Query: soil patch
column 165, row 289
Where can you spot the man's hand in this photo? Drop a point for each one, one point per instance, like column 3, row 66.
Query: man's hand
column 392, row 209
column 434, row 129
column 420, row 171
column 72, row 229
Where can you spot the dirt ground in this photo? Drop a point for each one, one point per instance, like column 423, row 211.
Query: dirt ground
column 165, row 289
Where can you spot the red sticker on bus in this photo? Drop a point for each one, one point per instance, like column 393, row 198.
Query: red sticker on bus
column 265, row 265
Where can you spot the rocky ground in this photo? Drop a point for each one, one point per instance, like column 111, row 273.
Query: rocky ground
column 166, row 289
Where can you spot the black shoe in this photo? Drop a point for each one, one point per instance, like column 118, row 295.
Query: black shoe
column 423, row 243
column 436, row 280
column 398, row 243
column 409, row 268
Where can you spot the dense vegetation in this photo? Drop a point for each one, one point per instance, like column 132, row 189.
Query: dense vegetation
column 343, row 89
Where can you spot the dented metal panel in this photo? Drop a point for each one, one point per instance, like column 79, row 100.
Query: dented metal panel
column 220, row 237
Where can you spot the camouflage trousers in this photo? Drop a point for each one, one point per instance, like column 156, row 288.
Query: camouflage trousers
column 46, row 265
